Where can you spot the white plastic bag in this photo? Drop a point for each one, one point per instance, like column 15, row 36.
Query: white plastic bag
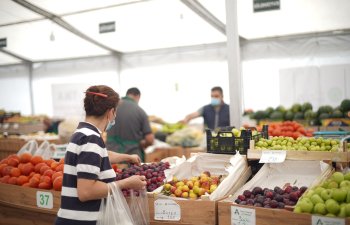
column 45, row 150
column 114, row 209
column 139, row 207
column 29, row 147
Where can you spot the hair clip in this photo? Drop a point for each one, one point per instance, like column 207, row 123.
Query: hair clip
column 95, row 93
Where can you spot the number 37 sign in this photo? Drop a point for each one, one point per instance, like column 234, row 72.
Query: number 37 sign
column 44, row 199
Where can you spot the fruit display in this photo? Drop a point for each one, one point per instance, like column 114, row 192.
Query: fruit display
column 302, row 111
column 153, row 172
column 289, row 129
column 301, row 143
column 330, row 198
column 192, row 188
column 271, row 198
column 32, row 171
column 186, row 137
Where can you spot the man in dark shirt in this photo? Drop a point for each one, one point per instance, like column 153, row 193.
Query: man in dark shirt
column 131, row 132
column 216, row 114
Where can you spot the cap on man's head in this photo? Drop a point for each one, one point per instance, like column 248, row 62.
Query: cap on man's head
column 133, row 91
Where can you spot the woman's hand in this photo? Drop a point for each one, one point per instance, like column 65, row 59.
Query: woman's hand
column 134, row 182
column 135, row 159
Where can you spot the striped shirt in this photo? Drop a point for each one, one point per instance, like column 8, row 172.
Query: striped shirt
column 86, row 158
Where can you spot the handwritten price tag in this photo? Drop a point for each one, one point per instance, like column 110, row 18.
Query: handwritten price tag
column 321, row 220
column 242, row 216
column 44, row 199
column 166, row 209
column 275, row 156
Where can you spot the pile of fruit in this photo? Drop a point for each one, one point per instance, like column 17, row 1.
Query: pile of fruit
column 289, row 129
column 268, row 198
column 331, row 198
column 32, row 171
column 302, row 143
column 193, row 188
column 154, row 174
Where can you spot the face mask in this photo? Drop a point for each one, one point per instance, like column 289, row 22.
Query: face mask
column 215, row 101
column 110, row 125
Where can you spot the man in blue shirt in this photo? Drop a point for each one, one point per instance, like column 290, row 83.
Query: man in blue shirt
column 216, row 114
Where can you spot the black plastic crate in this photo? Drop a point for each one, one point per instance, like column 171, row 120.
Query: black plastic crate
column 226, row 143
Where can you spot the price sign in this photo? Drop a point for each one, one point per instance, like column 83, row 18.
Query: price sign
column 242, row 216
column 166, row 209
column 275, row 156
column 321, row 220
column 44, row 199
column 60, row 151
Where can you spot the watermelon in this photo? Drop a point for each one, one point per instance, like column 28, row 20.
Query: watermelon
column 337, row 114
column 276, row 115
column 280, row 109
column 296, row 108
column 345, row 105
column 306, row 106
column 309, row 115
column 324, row 116
column 325, row 109
column 289, row 115
column 260, row 114
column 298, row 116
column 268, row 111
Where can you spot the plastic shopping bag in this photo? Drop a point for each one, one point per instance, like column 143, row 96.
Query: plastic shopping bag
column 139, row 207
column 45, row 150
column 29, row 147
column 114, row 209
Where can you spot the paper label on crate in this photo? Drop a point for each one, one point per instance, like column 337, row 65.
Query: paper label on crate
column 44, row 199
column 166, row 209
column 274, row 156
column 242, row 216
column 321, row 220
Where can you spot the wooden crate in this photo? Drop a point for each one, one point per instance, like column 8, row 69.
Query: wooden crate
column 195, row 212
column 19, row 206
column 265, row 216
column 305, row 155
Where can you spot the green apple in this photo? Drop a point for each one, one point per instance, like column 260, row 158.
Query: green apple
column 332, row 206
column 342, row 212
column 326, row 194
column 315, row 198
column 345, row 183
column 330, row 215
column 339, row 195
column 306, row 205
column 333, row 184
column 347, row 176
column 297, row 209
column 309, row 193
column 347, row 210
column 348, row 197
column 338, row 177
column 320, row 208
column 318, row 190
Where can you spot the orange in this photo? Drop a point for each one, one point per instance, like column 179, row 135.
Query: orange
column 13, row 162
column 25, row 157
column 38, row 167
column 27, row 169
column 56, row 174
column 34, row 182
column 49, row 162
column 43, row 169
column 57, row 184
column 6, row 170
column 5, row 179
column 49, row 173
column 44, row 185
column 2, row 166
column 22, row 180
column 45, row 179
column 60, row 167
column 15, row 172
column 26, row 184
column 4, row 161
column 36, row 159
column 61, row 161
column 12, row 180
column 54, row 165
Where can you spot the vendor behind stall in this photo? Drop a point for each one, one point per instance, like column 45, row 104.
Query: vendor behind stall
column 131, row 133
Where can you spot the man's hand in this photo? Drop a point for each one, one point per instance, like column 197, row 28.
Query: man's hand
column 135, row 159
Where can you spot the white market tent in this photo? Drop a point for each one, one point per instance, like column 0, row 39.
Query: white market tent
column 173, row 50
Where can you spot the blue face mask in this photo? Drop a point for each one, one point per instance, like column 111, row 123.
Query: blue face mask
column 215, row 101
column 110, row 125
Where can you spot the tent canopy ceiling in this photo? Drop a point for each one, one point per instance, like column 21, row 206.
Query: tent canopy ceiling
column 61, row 29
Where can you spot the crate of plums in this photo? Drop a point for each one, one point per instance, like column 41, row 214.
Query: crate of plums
column 276, row 187
column 229, row 140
